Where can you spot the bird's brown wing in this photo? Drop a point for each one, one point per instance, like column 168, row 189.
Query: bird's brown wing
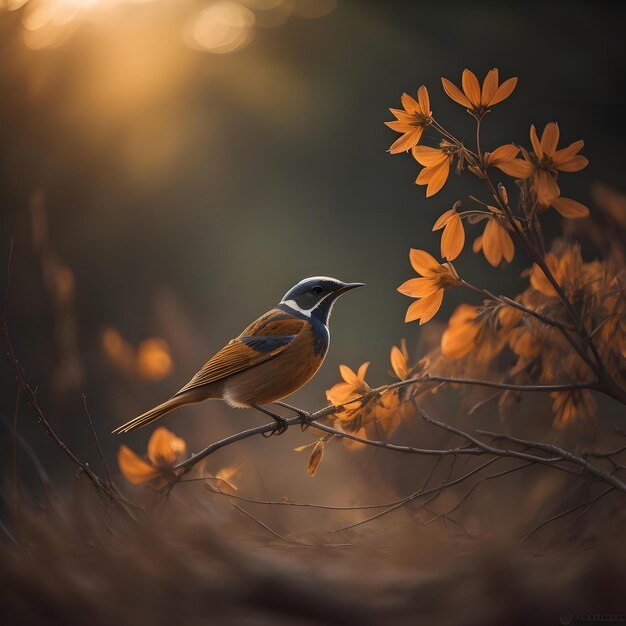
column 264, row 339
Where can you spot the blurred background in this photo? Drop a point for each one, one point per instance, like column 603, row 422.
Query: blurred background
column 168, row 169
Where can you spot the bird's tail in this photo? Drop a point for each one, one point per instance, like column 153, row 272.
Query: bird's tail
column 153, row 414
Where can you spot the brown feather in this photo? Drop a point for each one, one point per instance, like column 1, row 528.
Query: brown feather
column 276, row 378
column 236, row 356
column 240, row 374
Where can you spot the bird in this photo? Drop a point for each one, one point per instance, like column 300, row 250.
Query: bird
column 272, row 357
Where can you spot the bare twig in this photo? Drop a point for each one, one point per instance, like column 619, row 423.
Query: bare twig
column 286, row 539
column 29, row 394
column 105, row 465
column 590, row 502
column 417, row 494
column 564, row 455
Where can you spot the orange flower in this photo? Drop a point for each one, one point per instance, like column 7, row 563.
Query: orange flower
column 399, row 358
column 547, row 162
column 568, row 270
column 411, row 120
column 495, row 242
column 391, row 411
column 153, row 359
column 428, row 290
column 470, row 332
column 436, row 164
column 504, row 158
column 453, row 236
column 226, row 479
column 508, row 316
column 572, row 405
column 525, row 343
column 540, row 281
column 351, row 389
column 164, row 448
column 459, row 338
column 474, row 99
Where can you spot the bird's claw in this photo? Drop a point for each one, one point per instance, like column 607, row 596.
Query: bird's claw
column 280, row 427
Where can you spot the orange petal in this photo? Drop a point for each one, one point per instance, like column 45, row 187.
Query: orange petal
column 418, row 287
column 507, row 245
column 425, row 175
column 504, row 91
column 409, row 103
column 403, row 116
column 432, row 305
column 575, row 164
column 443, row 219
column 534, row 140
column 425, row 308
column 453, row 238
column 362, row 371
column 550, row 139
column 133, row 467
column 438, row 178
column 477, row 246
column 517, row 168
column 425, row 155
column 570, row 208
column 471, row 87
column 348, row 375
column 398, row 363
column 490, row 86
column 455, row 93
column 564, row 154
column 546, row 188
column 229, row 474
column 491, row 243
column 423, row 100
column 341, row 393
column 399, row 127
column 540, row 281
column 507, row 152
column 422, row 262
column 164, row 446
column 407, row 141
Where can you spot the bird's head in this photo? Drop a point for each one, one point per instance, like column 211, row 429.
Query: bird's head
column 314, row 297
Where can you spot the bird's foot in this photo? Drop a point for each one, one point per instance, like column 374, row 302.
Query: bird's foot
column 280, row 427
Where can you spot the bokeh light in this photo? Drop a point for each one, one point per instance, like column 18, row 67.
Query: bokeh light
column 220, row 28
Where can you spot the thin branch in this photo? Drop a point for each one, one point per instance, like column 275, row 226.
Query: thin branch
column 29, row 395
column 564, row 455
column 517, row 305
column 105, row 465
column 327, row 507
column 565, row 513
column 286, row 539
column 417, row 494
column 477, row 484
column 312, row 420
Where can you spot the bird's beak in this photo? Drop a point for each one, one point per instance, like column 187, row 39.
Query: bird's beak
column 348, row 286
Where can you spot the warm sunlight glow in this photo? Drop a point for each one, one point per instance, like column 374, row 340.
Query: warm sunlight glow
column 221, row 28
column 49, row 23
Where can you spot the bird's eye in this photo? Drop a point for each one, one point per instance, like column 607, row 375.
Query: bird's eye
column 317, row 290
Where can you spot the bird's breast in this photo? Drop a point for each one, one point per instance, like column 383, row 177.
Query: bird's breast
column 282, row 375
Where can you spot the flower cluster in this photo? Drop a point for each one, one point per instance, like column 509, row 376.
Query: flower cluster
column 535, row 171
column 157, row 468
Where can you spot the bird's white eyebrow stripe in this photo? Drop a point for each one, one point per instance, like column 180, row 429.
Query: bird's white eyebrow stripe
column 292, row 304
